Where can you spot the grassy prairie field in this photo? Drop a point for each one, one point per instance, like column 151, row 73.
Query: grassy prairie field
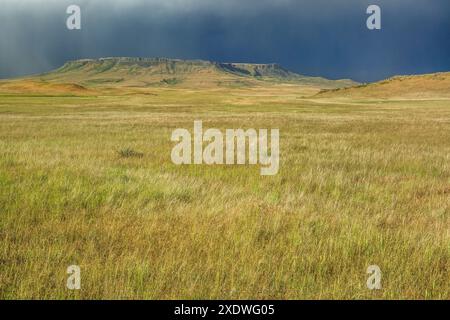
column 361, row 182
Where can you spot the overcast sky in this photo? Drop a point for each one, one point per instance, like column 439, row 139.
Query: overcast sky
column 312, row 37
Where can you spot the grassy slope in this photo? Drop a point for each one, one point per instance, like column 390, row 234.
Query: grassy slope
column 134, row 73
column 427, row 86
column 360, row 183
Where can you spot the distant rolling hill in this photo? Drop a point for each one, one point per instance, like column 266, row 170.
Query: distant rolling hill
column 426, row 86
column 93, row 74
column 130, row 75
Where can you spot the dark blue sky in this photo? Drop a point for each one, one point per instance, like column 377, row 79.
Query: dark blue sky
column 313, row 37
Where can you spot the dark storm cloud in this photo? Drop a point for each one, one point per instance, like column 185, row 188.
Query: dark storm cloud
column 313, row 37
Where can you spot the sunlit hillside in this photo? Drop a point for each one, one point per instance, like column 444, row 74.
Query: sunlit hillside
column 427, row 86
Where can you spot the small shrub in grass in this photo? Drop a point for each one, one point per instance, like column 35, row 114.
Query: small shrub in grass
column 129, row 153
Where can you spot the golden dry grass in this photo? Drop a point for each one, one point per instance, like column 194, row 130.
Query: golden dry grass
column 32, row 86
column 360, row 183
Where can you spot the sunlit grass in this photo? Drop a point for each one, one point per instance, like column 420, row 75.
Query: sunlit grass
column 89, row 181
